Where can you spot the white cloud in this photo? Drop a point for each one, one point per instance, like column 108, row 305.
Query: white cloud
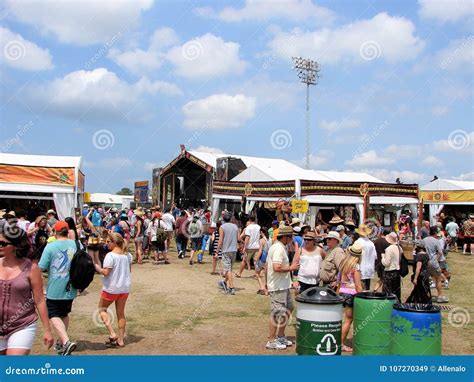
column 392, row 175
column 22, row 54
column 206, row 57
column 390, row 38
column 466, row 176
column 139, row 61
column 446, row 11
column 457, row 55
column 431, row 161
column 344, row 123
column 219, row 111
column 369, row 159
column 79, row 22
column 207, row 149
column 97, row 94
column 262, row 10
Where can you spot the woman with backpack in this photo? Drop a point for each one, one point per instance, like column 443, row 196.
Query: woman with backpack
column 116, row 287
column 391, row 262
column 195, row 231
column 158, row 236
column 138, row 234
column 261, row 260
column 420, row 278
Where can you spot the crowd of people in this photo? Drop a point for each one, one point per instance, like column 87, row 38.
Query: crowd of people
column 287, row 258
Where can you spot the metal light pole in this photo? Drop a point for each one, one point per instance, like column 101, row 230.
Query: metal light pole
column 308, row 72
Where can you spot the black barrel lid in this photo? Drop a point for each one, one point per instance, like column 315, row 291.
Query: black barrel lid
column 375, row 296
column 317, row 295
column 421, row 308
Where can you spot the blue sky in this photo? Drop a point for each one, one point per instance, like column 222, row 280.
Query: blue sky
column 124, row 83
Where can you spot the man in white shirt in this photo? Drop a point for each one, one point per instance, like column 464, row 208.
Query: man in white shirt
column 453, row 230
column 251, row 236
column 169, row 222
column 279, row 284
column 369, row 255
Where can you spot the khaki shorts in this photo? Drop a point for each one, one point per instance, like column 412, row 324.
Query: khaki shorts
column 251, row 253
column 434, row 269
column 281, row 302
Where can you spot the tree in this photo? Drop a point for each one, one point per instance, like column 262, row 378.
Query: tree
column 125, row 191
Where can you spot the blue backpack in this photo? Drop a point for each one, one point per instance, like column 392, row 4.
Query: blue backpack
column 118, row 228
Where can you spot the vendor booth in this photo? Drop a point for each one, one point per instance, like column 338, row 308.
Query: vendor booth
column 36, row 183
column 446, row 197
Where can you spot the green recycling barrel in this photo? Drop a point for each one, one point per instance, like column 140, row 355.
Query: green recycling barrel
column 416, row 329
column 318, row 322
column 372, row 323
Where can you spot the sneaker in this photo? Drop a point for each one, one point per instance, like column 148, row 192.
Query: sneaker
column 68, row 348
column 222, row 285
column 231, row 291
column 58, row 348
column 275, row 345
column 432, row 285
column 446, row 284
column 285, row 341
column 180, row 255
column 442, row 299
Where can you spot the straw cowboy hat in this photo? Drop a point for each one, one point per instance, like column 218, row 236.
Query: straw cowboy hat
column 309, row 236
column 11, row 214
column 392, row 238
column 334, row 235
column 349, row 222
column 285, row 231
column 336, row 219
column 139, row 212
column 295, row 221
column 355, row 249
column 363, row 230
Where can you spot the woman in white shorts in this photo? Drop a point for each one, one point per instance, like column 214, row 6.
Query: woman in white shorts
column 21, row 293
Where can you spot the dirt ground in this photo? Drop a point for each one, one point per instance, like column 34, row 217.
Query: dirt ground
column 178, row 309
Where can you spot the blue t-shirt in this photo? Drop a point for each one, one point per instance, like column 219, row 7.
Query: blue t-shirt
column 56, row 259
column 96, row 219
column 298, row 240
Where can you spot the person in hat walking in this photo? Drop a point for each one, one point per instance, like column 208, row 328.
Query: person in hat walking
column 346, row 239
column 51, row 217
column 157, row 237
column 279, row 284
column 391, row 263
column 350, row 281
column 332, row 260
column 309, row 257
column 435, row 252
column 369, row 255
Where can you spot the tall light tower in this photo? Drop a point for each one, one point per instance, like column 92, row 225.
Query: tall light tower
column 308, row 72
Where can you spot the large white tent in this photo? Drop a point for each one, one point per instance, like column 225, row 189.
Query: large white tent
column 442, row 192
column 57, row 178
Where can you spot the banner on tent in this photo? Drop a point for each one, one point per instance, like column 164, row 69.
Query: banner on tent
column 448, row 196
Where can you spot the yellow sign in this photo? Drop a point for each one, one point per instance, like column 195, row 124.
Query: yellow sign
column 299, row 206
column 87, row 197
column 448, row 196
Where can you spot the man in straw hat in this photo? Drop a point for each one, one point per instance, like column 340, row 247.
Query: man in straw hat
column 369, row 255
column 279, row 284
column 332, row 262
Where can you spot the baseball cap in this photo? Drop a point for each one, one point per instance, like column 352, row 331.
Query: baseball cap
column 60, row 225
column 340, row 227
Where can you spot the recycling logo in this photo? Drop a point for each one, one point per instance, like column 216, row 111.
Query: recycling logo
column 324, row 347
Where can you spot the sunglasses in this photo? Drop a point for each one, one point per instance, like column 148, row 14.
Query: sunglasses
column 5, row 243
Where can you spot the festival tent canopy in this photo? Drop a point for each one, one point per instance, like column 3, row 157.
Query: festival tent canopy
column 59, row 177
